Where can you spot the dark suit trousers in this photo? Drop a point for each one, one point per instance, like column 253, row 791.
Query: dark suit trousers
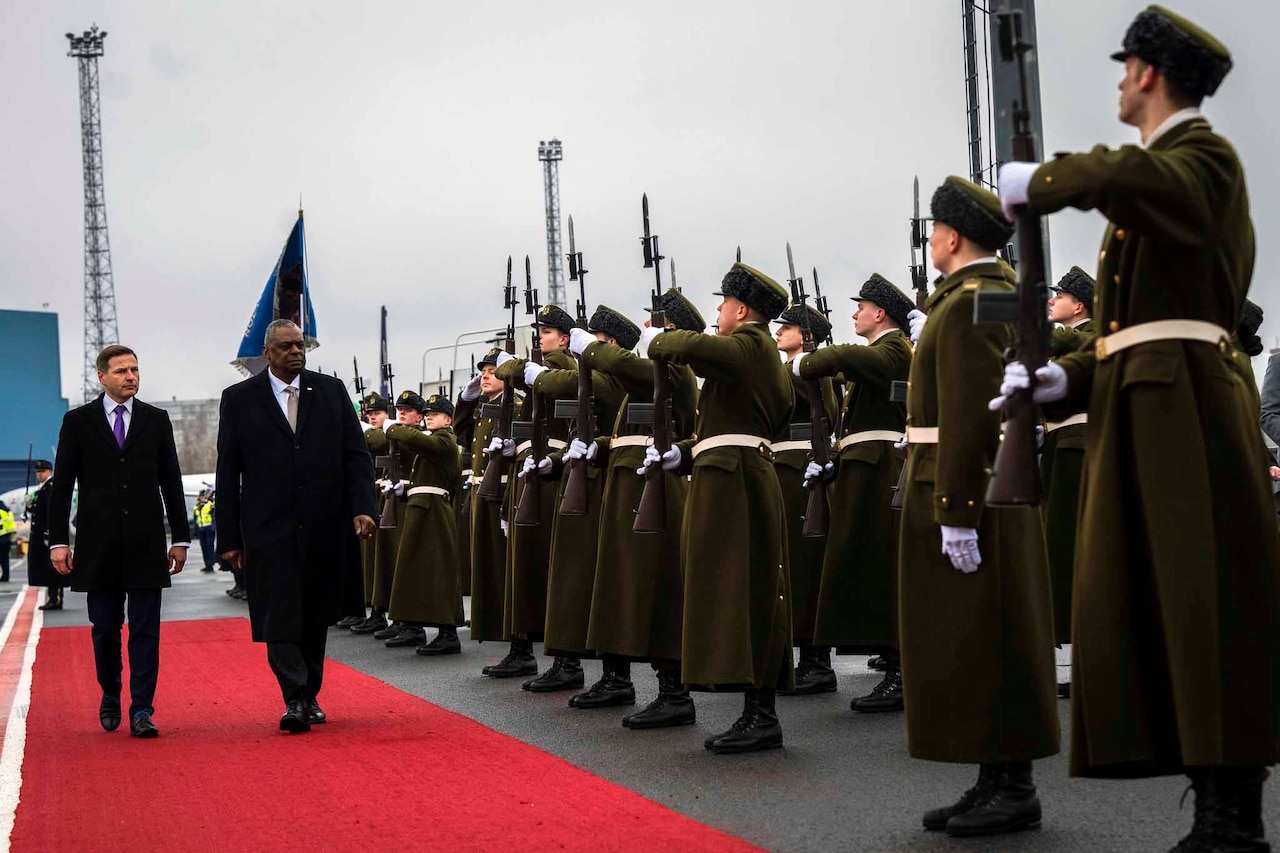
column 299, row 667
column 208, row 546
column 106, row 612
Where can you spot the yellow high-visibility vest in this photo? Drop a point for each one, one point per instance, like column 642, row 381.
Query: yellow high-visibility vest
column 204, row 514
column 7, row 524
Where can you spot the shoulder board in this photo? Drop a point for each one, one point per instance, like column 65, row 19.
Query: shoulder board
column 972, row 284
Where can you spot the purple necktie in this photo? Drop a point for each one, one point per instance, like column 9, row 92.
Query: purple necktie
column 118, row 429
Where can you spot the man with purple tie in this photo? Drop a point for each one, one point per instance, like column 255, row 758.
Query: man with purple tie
column 121, row 453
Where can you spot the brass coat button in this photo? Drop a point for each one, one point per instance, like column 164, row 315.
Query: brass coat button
column 1115, row 326
column 1116, row 278
column 1119, row 233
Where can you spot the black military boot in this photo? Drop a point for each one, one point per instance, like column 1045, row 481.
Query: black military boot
column 878, row 662
column 349, row 622
column 1011, row 807
column 614, row 689
column 392, row 630
column 884, row 697
column 519, row 661
column 445, row 643
column 757, row 729
column 673, row 707
column 1228, row 819
column 376, row 622
column 990, row 778
column 565, row 674
column 814, row 673
column 410, row 635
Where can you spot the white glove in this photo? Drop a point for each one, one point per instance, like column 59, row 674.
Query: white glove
column 366, row 426
column 670, row 459
column 506, row 445
column 647, row 335
column 795, row 363
column 901, row 445
column 471, row 391
column 579, row 449
column 915, row 321
column 960, row 544
column 1051, row 384
column 543, row 465
column 389, row 423
column 813, row 471
column 502, row 522
column 504, row 357
column 387, row 486
column 398, row 488
column 579, row 340
column 1039, row 436
column 1013, row 181
column 531, row 371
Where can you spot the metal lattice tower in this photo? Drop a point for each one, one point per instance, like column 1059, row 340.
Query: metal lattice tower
column 100, row 325
column 550, row 154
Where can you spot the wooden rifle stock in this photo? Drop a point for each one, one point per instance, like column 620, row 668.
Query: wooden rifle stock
column 817, row 514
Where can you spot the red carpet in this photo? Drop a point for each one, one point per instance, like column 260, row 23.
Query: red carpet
column 220, row 777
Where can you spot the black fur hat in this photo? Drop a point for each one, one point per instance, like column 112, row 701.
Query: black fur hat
column 886, row 294
column 555, row 317
column 1079, row 284
column 754, row 289
column 681, row 311
column 1247, row 329
column 1187, row 55
column 438, row 403
column 613, row 324
column 375, row 402
column 410, row 400
column 818, row 323
column 973, row 211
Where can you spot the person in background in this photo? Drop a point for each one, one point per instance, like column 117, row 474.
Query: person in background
column 203, row 518
column 8, row 527
column 39, row 569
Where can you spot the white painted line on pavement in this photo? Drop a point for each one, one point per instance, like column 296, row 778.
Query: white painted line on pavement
column 15, row 733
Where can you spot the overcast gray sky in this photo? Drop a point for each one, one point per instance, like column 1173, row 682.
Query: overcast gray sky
column 411, row 131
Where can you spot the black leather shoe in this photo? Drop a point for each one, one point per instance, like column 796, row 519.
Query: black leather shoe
column 109, row 713
column 207, row 569
column 885, row 697
column 756, row 730
column 1064, row 690
column 878, row 663
column 315, row 716
column 376, row 622
column 519, row 661
column 990, row 777
column 611, row 691
column 296, row 719
column 392, row 630
column 814, row 674
column 1011, row 807
column 673, row 707
column 563, row 674
column 349, row 622
column 140, row 725
column 235, row 590
column 408, row 636
column 55, row 604
column 445, row 643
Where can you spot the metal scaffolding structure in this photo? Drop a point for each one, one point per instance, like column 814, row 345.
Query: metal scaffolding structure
column 100, row 324
column 550, row 154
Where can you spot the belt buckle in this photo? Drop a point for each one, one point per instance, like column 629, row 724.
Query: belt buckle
column 1100, row 348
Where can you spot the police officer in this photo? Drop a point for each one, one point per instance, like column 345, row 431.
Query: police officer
column 203, row 518
column 8, row 527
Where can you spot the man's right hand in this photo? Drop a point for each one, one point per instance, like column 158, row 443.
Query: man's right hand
column 62, row 560
column 235, row 558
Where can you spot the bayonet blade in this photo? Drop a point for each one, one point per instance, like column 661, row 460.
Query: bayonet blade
column 572, row 248
column 673, row 274
column 817, row 288
column 791, row 264
column 508, row 270
column 644, row 209
column 738, row 256
column 915, row 190
column 528, row 273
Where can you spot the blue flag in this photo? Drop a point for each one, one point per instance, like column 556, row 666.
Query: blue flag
column 287, row 297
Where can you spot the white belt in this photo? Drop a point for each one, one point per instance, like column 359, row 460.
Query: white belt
column 629, row 441
column 784, row 446
column 922, row 435
column 475, row 481
column 466, row 473
column 1082, row 418
column 429, row 490
column 869, row 435
column 1160, row 330
column 552, row 444
column 730, row 439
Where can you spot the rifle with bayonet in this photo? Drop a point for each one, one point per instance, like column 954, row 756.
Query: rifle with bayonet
column 1015, row 475
column 651, row 514
column 920, row 283
column 817, row 515
column 820, row 302
column 391, row 462
column 490, row 488
column 358, row 384
column 529, row 512
column 574, row 499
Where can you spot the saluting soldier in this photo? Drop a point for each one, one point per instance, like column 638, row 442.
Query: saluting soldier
column 737, row 612
column 571, row 578
column 1062, row 456
column 529, row 548
column 858, row 598
column 974, row 599
column 790, row 458
column 375, row 412
column 1176, row 564
column 637, row 604
column 476, row 411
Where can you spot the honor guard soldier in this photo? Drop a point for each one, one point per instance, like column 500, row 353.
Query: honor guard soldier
column 574, row 537
column 857, row 610
column 1176, row 564
column 790, row 458
column 637, row 604
column 387, row 546
column 529, row 548
column 1062, row 456
column 737, row 612
column 974, row 602
column 375, row 412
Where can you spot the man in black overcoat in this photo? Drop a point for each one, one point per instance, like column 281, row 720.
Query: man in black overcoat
column 121, row 453
column 295, row 487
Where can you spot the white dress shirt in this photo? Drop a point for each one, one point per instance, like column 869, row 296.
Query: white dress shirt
column 1171, row 122
column 282, row 397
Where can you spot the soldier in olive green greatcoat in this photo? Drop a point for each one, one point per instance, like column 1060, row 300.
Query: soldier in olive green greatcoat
column 1062, row 456
column 813, row 673
column 974, row 602
column 426, row 592
column 529, row 548
column 737, row 612
column 375, row 409
column 637, row 605
column 858, row 596
column 1175, row 640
